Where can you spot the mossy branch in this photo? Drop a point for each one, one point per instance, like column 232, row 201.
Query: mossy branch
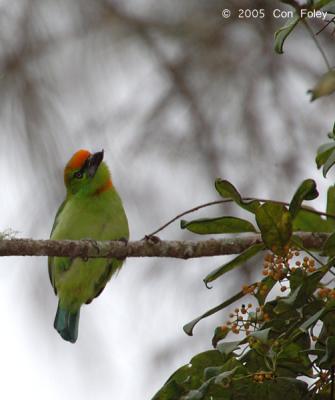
column 151, row 247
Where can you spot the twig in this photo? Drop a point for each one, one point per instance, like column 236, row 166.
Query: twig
column 212, row 203
column 325, row 26
column 323, row 54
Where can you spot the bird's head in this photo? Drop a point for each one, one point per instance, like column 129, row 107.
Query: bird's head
column 87, row 173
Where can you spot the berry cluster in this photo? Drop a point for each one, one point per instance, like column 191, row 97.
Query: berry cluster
column 279, row 268
column 326, row 293
column 261, row 376
column 244, row 320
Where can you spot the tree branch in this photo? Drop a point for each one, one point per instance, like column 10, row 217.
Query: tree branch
column 152, row 247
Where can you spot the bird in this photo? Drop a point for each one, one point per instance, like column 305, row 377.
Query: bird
column 92, row 209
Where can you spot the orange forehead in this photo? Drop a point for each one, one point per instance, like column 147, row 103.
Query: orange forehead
column 78, row 159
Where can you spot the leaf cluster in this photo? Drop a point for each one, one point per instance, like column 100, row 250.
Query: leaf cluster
column 278, row 345
column 285, row 337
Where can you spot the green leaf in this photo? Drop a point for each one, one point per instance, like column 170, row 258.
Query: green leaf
column 331, row 206
column 282, row 34
column 228, row 191
column 234, row 263
column 264, row 289
column 188, row 328
column 331, row 135
column 323, row 3
column 311, row 320
column 191, row 376
column 325, row 86
column 209, row 358
column 328, row 360
column 296, row 278
column 330, row 8
column 293, row 361
column 299, row 296
column 286, row 303
column 228, row 347
column 312, row 281
column 323, row 153
column 306, row 221
column 171, row 390
column 329, row 246
column 278, row 389
column 306, row 191
column 328, row 164
column 205, row 226
column 198, row 394
column 275, row 224
column 219, row 334
column 262, row 335
column 224, row 375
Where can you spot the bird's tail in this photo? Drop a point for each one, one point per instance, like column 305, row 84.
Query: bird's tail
column 66, row 324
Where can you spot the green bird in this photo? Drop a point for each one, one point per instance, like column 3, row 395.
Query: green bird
column 92, row 209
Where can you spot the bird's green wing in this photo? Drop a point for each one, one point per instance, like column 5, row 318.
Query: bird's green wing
column 50, row 259
column 111, row 268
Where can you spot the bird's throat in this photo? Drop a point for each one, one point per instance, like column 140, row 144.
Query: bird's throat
column 104, row 188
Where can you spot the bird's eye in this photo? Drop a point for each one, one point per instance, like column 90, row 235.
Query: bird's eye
column 78, row 175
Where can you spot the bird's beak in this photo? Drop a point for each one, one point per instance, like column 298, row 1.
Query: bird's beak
column 93, row 163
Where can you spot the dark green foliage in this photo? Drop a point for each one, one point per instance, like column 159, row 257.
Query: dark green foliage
column 278, row 348
column 289, row 334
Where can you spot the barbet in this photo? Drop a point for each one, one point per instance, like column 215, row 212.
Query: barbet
column 92, row 209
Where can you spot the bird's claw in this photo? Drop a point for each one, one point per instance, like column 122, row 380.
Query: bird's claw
column 124, row 240
column 94, row 243
column 152, row 239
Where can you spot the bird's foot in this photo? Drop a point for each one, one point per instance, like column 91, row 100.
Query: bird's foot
column 152, row 239
column 94, row 243
column 124, row 240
